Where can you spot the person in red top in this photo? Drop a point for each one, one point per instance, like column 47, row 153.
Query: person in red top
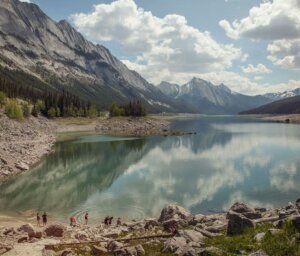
column 72, row 221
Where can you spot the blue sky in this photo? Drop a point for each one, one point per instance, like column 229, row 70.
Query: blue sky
column 255, row 49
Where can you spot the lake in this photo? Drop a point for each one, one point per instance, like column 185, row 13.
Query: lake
column 228, row 159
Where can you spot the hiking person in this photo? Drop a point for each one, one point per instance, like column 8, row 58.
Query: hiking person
column 106, row 220
column 38, row 219
column 119, row 222
column 86, row 217
column 45, row 219
column 72, row 221
column 110, row 220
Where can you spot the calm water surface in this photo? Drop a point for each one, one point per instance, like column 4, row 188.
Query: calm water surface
column 229, row 159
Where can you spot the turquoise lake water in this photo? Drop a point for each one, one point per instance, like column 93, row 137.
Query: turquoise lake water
column 229, row 159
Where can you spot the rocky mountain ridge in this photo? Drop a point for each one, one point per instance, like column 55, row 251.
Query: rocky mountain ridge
column 63, row 59
column 283, row 95
column 204, row 97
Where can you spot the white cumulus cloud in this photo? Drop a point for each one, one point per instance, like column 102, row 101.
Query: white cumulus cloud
column 276, row 21
column 162, row 47
column 256, row 70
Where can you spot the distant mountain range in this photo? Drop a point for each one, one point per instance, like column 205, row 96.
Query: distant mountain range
column 203, row 97
column 282, row 95
column 52, row 56
column 285, row 106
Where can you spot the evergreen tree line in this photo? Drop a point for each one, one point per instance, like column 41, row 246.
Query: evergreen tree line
column 51, row 104
column 133, row 108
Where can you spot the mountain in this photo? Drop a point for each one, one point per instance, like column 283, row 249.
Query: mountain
column 57, row 57
column 203, row 97
column 286, row 106
column 282, row 95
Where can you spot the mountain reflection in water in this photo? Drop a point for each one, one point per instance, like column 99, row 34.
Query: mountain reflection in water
column 228, row 159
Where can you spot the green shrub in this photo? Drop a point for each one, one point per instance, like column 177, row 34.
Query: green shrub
column 13, row 110
column 2, row 99
column 51, row 113
column 26, row 109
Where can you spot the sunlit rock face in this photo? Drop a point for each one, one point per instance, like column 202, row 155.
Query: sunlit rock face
column 60, row 56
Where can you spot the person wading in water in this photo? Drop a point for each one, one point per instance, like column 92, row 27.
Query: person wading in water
column 45, row 219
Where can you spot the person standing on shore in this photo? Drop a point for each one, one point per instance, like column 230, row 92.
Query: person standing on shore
column 72, row 221
column 45, row 219
column 38, row 219
column 86, row 217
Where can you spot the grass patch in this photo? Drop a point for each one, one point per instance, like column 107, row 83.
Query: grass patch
column 281, row 244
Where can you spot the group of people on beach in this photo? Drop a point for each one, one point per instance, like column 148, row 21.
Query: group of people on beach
column 44, row 217
column 107, row 220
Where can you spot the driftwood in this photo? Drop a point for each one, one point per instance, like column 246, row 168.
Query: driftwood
column 269, row 219
column 52, row 246
column 206, row 233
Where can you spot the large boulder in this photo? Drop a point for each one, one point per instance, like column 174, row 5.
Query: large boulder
column 296, row 221
column 26, row 228
column 114, row 245
column 191, row 235
column 245, row 211
column 174, row 212
column 55, row 230
column 172, row 245
column 237, row 223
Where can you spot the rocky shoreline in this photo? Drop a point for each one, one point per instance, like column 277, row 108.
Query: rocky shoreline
column 24, row 143
column 175, row 232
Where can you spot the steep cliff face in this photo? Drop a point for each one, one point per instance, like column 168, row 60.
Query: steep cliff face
column 60, row 56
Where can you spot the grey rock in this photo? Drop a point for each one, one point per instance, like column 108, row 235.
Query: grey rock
column 258, row 253
column 9, row 231
column 23, row 238
column 172, row 245
column 259, row 237
column 296, row 221
column 245, row 210
column 55, row 230
column 237, row 223
column 97, row 250
column 140, row 250
column 191, row 235
column 114, row 245
column 174, row 212
column 130, row 251
column 67, row 252
column 274, row 231
column 27, row 228
column 22, row 166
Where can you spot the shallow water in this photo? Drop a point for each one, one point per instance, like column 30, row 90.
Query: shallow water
column 229, row 159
